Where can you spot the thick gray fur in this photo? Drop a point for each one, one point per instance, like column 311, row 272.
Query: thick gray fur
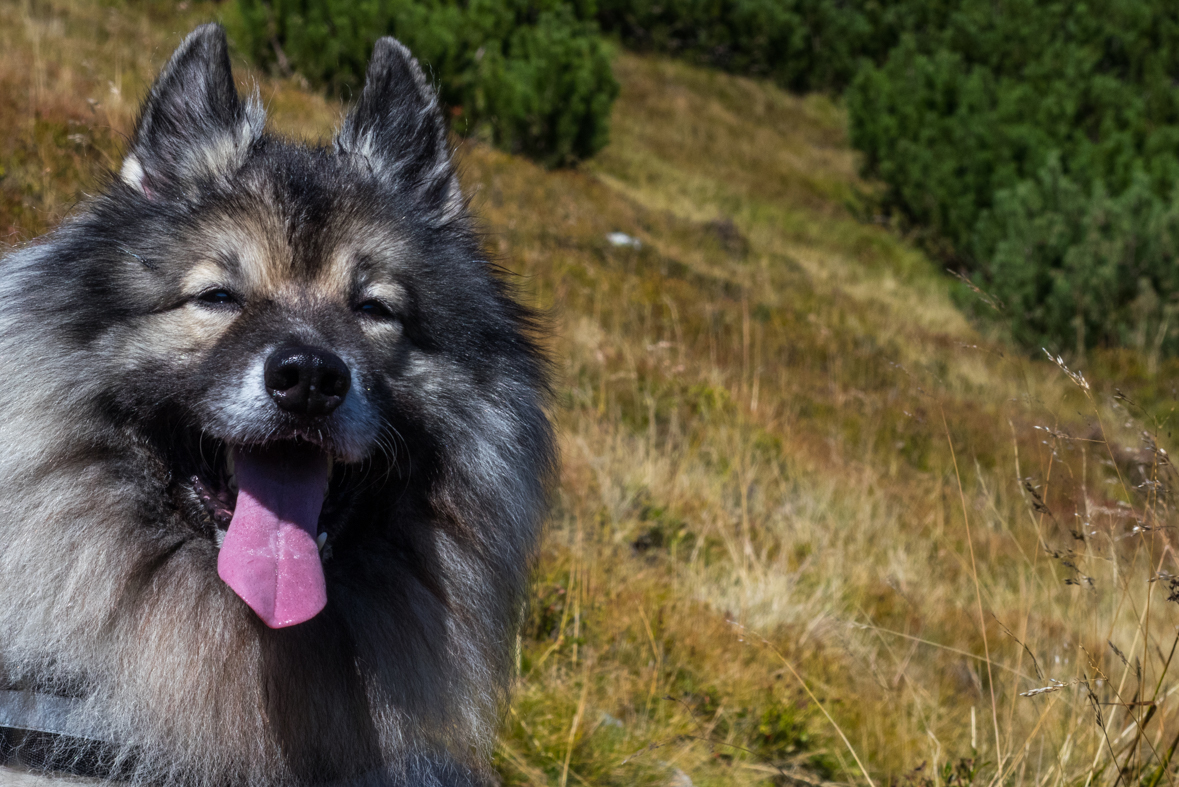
column 119, row 379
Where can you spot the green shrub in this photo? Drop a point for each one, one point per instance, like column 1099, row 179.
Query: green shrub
column 1082, row 264
column 533, row 77
column 800, row 44
column 1037, row 144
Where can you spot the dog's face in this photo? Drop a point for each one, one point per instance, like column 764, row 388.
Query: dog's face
column 280, row 335
column 278, row 300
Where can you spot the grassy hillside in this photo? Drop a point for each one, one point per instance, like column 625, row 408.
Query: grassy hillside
column 811, row 526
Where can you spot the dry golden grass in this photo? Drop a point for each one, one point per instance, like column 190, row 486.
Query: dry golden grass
column 811, row 525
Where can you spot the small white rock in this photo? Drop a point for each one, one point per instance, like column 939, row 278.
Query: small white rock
column 622, row 239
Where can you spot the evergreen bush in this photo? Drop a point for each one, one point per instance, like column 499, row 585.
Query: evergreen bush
column 1037, row 145
column 533, row 77
column 800, row 44
column 1079, row 267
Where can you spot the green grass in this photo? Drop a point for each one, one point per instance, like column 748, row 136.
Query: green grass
column 762, row 542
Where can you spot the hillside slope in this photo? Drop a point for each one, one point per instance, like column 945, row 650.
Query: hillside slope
column 806, row 513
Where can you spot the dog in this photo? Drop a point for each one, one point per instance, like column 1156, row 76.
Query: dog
column 274, row 455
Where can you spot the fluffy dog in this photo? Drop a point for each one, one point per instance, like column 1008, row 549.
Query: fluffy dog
column 273, row 455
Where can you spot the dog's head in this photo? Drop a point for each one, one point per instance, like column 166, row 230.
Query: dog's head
column 296, row 325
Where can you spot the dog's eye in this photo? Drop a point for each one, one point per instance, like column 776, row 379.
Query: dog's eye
column 217, row 297
column 375, row 309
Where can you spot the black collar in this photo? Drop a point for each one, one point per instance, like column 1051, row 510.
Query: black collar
column 42, row 732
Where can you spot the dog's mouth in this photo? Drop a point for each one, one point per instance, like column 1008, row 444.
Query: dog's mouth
column 215, row 486
column 267, row 505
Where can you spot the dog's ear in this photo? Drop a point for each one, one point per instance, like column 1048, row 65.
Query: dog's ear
column 193, row 124
column 396, row 131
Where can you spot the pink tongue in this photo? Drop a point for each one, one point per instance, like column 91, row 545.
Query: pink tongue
column 269, row 556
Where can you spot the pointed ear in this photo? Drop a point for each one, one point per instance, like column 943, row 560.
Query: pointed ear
column 396, row 132
column 193, row 124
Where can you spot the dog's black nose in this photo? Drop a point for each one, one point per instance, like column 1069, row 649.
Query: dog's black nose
column 307, row 380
